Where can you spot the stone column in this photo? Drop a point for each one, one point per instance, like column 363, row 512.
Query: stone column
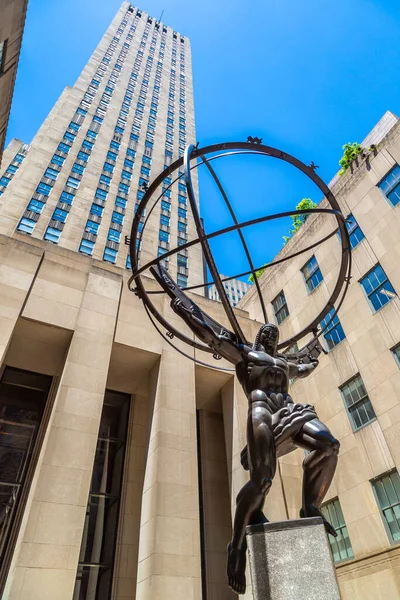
column 19, row 264
column 216, row 504
column 46, row 556
column 169, row 546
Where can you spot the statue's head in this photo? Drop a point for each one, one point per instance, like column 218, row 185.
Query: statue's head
column 267, row 339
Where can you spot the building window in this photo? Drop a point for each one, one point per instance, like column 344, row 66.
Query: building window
column 121, row 202
column 101, row 194
column 60, row 215
column 387, row 493
column 182, row 227
column 182, row 280
column 51, row 173
column 357, row 402
column 36, row 206
column 110, row 255
column 341, row 545
column 96, row 559
column 312, row 274
column 396, row 354
column 78, row 169
column 281, row 310
column 86, row 247
column 96, row 209
column 3, row 47
column 23, row 398
column 163, row 236
column 72, row 182
column 108, row 167
column 355, row 233
column 92, row 227
column 164, row 220
column 117, row 218
column 333, row 333
column 378, row 288
column 26, row 225
column 52, row 235
column 390, row 185
column 113, row 235
column 43, row 188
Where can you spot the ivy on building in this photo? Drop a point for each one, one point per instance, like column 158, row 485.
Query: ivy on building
column 298, row 220
column 350, row 153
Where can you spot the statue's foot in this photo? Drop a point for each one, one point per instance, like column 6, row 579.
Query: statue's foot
column 312, row 511
column 236, row 569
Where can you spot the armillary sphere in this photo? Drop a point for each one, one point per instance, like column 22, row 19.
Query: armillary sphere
column 192, row 159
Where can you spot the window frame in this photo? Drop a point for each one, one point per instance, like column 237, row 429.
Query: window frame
column 332, row 326
column 391, row 189
column 332, row 541
column 284, row 307
column 307, row 279
column 355, row 427
column 375, row 290
column 373, row 481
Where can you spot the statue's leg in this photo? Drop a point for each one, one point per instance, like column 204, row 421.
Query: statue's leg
column 262, row 463
column 319, row 466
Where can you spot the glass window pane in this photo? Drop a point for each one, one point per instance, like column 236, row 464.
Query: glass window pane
column 23, row 397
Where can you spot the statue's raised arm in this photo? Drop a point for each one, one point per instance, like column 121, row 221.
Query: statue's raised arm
column 212, row 333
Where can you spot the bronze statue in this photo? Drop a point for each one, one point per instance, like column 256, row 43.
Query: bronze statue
column 275, row 425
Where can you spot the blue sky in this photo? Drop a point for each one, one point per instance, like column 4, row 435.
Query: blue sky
column 305, row 76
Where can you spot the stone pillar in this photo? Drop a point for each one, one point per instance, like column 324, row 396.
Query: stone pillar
column 169, row 546
column 18, row 267
column 291, row 560
column 47, row 552
column 235, row 409
column 216, row 504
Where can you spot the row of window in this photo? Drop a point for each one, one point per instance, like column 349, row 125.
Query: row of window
column 13, row 168
column 43, row 190
column 117, row 217
column 59, row 216
column 386, row 489
column 376, row 285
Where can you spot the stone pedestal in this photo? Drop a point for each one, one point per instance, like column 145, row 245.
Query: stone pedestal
column 291, row 560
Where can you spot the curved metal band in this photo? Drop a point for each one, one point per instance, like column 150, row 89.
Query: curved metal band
column 241, row 236
column 206, row 247
column 263, row 150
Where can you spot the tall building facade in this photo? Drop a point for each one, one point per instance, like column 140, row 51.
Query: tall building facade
column 235, row 290
column 356, row 388
column 12, row 21
column 129, row 114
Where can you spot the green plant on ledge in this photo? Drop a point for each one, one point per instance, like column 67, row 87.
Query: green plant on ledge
column 258, row 273
column 350, row 153
column 298, row 220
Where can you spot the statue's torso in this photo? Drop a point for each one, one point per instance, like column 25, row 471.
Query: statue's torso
column 262, row 372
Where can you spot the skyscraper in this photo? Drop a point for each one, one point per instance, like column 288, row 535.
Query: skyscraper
column 235, row 290
column 129, row 114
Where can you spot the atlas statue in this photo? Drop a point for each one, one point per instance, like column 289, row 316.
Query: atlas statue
column 275, row 424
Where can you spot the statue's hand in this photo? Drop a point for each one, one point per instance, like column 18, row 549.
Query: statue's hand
column 314, row 362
